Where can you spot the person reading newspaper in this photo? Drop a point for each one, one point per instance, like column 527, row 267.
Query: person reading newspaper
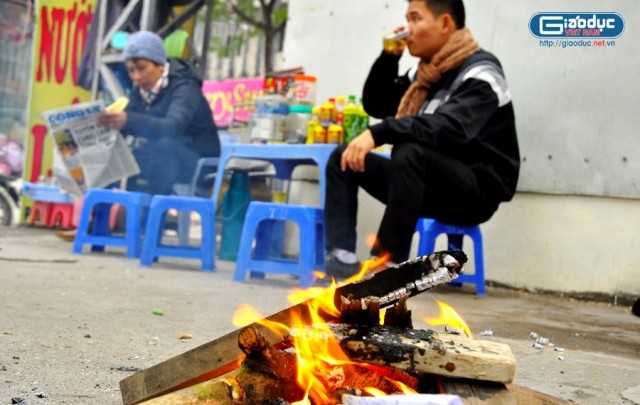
column 167, row 115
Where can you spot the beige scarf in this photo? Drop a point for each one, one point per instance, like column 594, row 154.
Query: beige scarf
column 460, row 45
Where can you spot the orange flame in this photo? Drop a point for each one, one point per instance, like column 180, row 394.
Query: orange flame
column 448, row 316
column 322, row 366
column 321, row 362
column 245, row 315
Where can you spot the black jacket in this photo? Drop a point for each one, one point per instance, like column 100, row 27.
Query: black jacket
column 179, row 110
column 468, row 115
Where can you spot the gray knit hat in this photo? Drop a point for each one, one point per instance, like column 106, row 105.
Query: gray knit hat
column 147, row 45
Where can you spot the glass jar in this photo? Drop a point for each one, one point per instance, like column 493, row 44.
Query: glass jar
column 297, row 123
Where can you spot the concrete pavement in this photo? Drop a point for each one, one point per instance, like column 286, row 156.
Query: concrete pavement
column 73, row 326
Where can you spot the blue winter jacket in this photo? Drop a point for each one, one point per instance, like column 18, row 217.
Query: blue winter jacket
column 179, row 110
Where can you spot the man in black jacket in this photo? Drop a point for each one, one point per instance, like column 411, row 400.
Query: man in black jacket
column 450, row 120
column 167, row 114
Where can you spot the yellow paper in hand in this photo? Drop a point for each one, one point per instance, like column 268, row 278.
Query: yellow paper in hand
column 119, row 105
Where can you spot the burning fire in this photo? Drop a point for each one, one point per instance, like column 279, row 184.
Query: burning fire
column 449, row 317
column 321, row 362
column 322, row 366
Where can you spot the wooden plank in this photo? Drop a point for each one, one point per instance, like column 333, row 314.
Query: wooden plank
column 479, row 392
column 199, row 364
column 432, row 352
column 529, row 396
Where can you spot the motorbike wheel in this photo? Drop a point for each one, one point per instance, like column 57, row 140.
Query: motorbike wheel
column 5, row 207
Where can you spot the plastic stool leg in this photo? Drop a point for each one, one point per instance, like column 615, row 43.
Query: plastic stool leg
column 83, row 227
column 153, row 235
column 101, row 218
column 249, row 229
column 425, row 241
column 62, row 211
column 478, row 249
column 40, row 212
column 320, row 245
column 307, row 258
column 267, row 229
column 208, row 239
column 133, row 238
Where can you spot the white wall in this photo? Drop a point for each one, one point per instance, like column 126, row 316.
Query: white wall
column 576, row 108
column 576, row 114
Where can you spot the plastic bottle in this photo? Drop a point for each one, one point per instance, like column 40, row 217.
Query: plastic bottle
column 335, row 133
column 280, row 191
column 332, row 103
column 363, row 118
column 297, row 123
column 351, row 121
column 328, row 112
column 325, row 112
column 341, row 103
column 319, row 134
column 313, row 122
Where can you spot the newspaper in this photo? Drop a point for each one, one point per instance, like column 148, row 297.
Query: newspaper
column 93, row 155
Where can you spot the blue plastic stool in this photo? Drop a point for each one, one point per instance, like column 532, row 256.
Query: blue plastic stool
column 429, row 229
column 152, row 247
column 259, row 225
column 98, row 202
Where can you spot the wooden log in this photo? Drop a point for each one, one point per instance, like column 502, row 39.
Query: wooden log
column 203, row 363
column 420, row 351
column 265, row 376
column 268, row 376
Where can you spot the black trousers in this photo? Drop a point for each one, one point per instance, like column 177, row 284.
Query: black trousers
column 416, row 182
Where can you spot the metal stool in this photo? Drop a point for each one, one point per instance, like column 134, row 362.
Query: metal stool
column 153, row 248
column 259, row 225
column 429, row 229
column 97, row 206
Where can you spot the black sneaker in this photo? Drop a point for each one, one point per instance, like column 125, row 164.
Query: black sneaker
column 635, row 309
column 341, row 270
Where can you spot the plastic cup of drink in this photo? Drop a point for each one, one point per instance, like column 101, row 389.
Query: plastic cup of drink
column 395, row 41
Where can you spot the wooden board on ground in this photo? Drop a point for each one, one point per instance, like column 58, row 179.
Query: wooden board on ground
column 485, row 393
column 529, row 396
column 478, row 392
column 427, row 351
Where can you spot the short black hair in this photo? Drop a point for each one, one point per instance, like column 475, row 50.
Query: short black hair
column 455, row 8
